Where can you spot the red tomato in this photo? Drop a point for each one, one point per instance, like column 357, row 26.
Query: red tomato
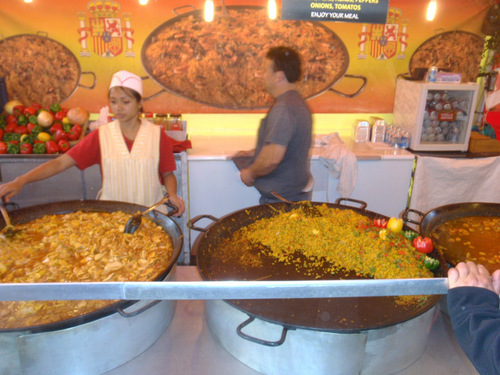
column 57, row 126
column 60, row 135
column 10, row 118
column 3, row 148
column 422, row 244
column 77, row 129
column 52, row 147
column 26, row 148
column 9, row 128
column 18, row 110
column 63, row 145
column 59, row 115
column 30, row 127
column 29, row 111
column 21, row 130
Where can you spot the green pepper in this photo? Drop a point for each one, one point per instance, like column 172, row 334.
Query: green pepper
column 37, row 129
column 39, row 148
column 56, row 107
column 431, row 263
column 8, row 137
column 27, row 138
column 13, row 148
column 22, row 120
column 3, row 122
column 409, row 234
column 33, row 119
column 67, row 126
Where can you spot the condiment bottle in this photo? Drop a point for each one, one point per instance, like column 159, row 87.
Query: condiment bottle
column 175, row 122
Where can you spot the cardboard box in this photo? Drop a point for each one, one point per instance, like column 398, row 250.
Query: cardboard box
column 481, row 143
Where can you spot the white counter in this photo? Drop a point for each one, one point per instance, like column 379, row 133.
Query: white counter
column 222, row 147
column 188, row 348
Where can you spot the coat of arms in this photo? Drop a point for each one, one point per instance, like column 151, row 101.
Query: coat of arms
column 106, row 31
column 384, row 40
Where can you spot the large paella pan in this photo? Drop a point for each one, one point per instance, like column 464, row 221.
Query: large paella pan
column 220, row 63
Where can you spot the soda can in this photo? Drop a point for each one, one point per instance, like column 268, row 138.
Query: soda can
column 432, row 74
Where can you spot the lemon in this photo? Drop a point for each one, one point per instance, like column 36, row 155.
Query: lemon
column 43, row 136
column 66, row 120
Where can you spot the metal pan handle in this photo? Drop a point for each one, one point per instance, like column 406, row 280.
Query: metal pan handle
column 257, row 340
column 191, row 222
column 93, row 83
column 175, row 10
column 405, row 218
column 360, row 90
column 137, row 312
column 362, row 203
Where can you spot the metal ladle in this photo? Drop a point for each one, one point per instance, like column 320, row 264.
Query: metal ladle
column 9, row 230
column 136, row 219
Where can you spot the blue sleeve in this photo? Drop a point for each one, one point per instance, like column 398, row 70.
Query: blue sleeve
column 475, row 316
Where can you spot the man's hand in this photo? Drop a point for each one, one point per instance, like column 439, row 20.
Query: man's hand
column 470, row 274
column 247, row 177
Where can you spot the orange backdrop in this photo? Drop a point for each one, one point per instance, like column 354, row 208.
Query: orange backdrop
column 70, row 23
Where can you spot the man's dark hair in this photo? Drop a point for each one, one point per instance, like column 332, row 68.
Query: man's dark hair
column 287, row 60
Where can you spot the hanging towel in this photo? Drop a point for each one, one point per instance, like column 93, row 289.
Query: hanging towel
column 441, row 181
column 340, row 161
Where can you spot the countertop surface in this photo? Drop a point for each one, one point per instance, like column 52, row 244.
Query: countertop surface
column 188, row 348
column 222, row 147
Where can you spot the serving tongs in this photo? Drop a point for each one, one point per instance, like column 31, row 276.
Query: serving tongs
column 307, row 206
column 9, row 230
column 136, row 219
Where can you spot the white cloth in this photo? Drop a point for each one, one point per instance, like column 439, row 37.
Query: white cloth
column 340, row 161
column 131, row 176
column 441, row 181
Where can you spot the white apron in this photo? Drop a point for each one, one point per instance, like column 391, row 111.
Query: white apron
column 131, row 176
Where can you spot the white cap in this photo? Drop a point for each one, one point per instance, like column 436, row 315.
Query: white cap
column 126, row 79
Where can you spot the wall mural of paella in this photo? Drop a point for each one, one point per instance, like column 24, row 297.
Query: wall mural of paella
column 191, row 66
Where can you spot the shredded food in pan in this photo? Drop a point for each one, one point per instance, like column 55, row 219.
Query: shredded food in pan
column 338, row 239
column 77, row 247
column 221, row 62
column 38, row 69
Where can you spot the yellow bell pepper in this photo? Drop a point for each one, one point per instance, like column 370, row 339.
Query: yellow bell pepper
column 395, row 225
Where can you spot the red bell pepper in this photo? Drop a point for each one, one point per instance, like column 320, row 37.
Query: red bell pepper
column 3, row 147
column 9, row 128
column 26, row 148
column 21, row 130
column 63, row 145
column 380, row 223
column 51, row 147
column 423, row 244
column 2, row 132
column 29, row 111
column 59, row 115
column 57, row 126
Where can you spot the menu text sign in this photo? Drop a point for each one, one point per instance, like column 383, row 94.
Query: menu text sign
column 365, row 11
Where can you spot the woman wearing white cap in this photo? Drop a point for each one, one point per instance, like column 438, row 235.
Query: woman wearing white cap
column 135, row 156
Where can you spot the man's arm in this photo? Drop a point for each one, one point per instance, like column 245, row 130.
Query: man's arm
column 267, row 161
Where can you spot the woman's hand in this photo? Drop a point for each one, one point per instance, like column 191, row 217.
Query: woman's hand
column 9, row 189
column 470, row 274
column 177, row 202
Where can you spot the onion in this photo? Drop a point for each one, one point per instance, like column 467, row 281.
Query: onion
column 77, row 115
column 45, row 119
column 9, row 106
